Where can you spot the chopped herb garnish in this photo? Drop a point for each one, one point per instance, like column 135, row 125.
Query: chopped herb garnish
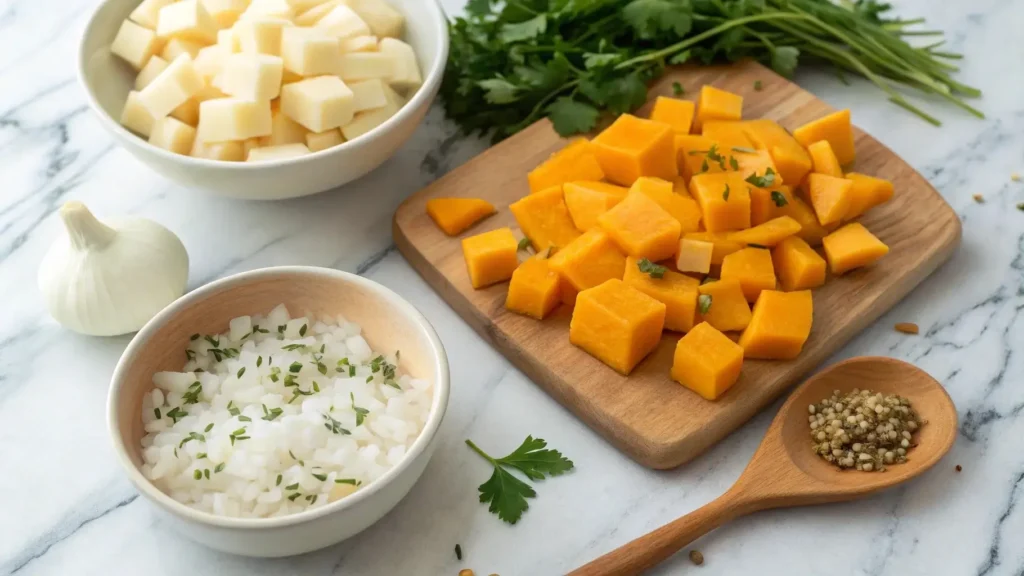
column 219, row 468
column 213, row 342
column 302, row 331
column 779, row 198
column 733, row 163
column 1020, row 206
column 281, row 329
column 523, row 245
column 192, row 395
column 278, row 482
column 320, row 477
column 194, row 337
column 761, row 246
column 234, row 411
column 206, row 473
column 292, row 455
column 678, row 90
column 361, row 413
column 273, row 413
column 369, row 378
column 351, row 371
column 259, row 361
column 744, row 150
column 238, row 435
column 292, row 486
column 176, row 413
column 190, row 355
column 293, row 347
column 208, row 427
column 651, row 269
column 244, row 418
column 704, row 303
column 192, row 436
column 240, row 372
column 200, row 455
column 294, row 496
column 762, row 181
column 197, row 474
column 156, row 412
column 295, row 367
column 321, row 368
column 708, row 280
column 725, row 195
column 758, row 86
column 704, row 165
column 334, row 426
column 351, row 481
column 311, row 498
column 316, row 387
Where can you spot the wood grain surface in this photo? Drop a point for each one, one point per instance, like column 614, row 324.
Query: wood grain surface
column 648, row 416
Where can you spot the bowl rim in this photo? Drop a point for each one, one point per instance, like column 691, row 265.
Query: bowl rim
column 419, row 446
column 425, row 93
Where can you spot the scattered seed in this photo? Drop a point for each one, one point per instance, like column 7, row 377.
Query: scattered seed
column 696, row 557
column 1015, row 177
column 1020, row 206
column 959, row 468
column 465, row 572
column 458, row 551
column 862, row 430
column 907, row 328
column 978, row 198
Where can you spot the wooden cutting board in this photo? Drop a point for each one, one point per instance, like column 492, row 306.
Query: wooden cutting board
column 648, row 416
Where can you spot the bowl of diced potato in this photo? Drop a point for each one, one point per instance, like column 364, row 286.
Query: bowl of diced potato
column 263, row 99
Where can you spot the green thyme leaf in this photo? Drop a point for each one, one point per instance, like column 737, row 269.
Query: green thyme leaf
column 651, row 269
column 704, row 303
column 779, row 198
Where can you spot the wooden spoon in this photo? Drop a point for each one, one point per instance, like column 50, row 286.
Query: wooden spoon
column 786, row 472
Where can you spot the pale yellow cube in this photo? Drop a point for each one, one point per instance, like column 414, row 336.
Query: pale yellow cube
column 135, row 44
column 151, row 70
column 148, row 12
column 188, row 20
column 383, row 20
column 359, row 44
column 225, row 119
column 225, row 151
column 176, row 47
column 319, row 103
column 301, row 6
column 309, row 51
column 368, row 94
column 225, row 12
column 135, row 117
column 317, row 141
column 210, row 61
column 356, row 66
column 313, row 15
column 342, row 22
column 287, row 77
column 260, row 36
column 189, row 111
column 173, row 134
column 406, row 76
column 367, row 121
column 251, row 76
column 172, row 87
column 272, row 153
column 694, row 256
column 283, row 130
column 228, row 40
column 268, row 9
column 248, row 146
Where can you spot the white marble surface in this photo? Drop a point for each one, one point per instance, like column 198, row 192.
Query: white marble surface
column 65, row 507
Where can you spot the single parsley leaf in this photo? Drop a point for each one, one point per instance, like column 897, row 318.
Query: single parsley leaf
column 779, row 198
column 507, row 494
column 653, row 18
column 572, row 117
column 651, row 269
column 525, row 30
column 499, row 91
column 785, row 59
column 532, row 459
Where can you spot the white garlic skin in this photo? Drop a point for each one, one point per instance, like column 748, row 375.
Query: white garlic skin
column 108, row 279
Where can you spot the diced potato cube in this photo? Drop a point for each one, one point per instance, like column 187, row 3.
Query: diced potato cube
column 252, row 76
column 226, row 151
column 176, row 47
column 225, row 12
column 359, row 44
column 343, row 22
column 406, row 73
column 288, row 77
column 134, row 44
column 313, row 15
column 366, row 121
column 172, row 87
column 301, row 6
column 268, row 9
column 188, row 20
column 224, row 119
column 148, row 12
column 151, row 70
column 248, row 146
column 260, row 36
column 309, row 51
column 210, row 61
column 283, row 130
column 135, row 116
column 319, row 103
column 189, row 111
column 382, row 19
column 317, row 141
column 173, row 134
column 369, row 94
column 277, row 153
column 694, row 256
column 357, row 66
column 228, row 39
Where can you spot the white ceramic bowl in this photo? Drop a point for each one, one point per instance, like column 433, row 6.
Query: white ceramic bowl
column 388, row 322
column 107, row 81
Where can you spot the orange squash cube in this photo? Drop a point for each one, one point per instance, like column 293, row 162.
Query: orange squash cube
column 617, row 324
column 724, row 200
column 694, row 255
column 824, row 159
column 721, row 246
column 754, row 270
column 768, row 234
column 676, row 291
column 491, row 257
column 791, row 159
column 683, row 208
column 866, row 193
column 830, row 197
column 836, row 129
column 852, row 246
column 779, row 326
column 586, row 262
column 707, row 361
column 455, row 215
column 757, row 163
column 574, row 162
column 676, row 113
column 533, row 290
column 728, row 133
column 716, row 104
column 691, row 156
column 728, row 309
column 588, row 200
column 633, row 147
column 544, row 219
column 680, row 186
column 642, row 228
column 810, row 229
column 768, row 203
column 797, row 265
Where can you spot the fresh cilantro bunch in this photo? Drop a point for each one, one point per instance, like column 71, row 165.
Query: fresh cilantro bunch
column 513, row 62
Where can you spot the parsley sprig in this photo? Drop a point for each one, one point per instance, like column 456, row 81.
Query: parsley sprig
column 505, row 492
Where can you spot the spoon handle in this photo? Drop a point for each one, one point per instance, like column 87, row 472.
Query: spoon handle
column 652, row 548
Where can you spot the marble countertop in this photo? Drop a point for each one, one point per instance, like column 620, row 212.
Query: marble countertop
column 66, row 507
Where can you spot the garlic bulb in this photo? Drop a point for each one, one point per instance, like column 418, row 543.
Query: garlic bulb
column 109, row 279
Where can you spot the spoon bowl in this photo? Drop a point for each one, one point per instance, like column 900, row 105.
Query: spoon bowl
column 785, row 471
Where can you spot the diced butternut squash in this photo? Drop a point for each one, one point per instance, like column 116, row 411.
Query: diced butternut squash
column 633, row 147
column 836, row 129
column 852, row 246
column 683, row 208
column 574, row 162
column 824, row 159
column 724, row 200
column 642, row 228
column 791, row 159
column 676, row 113
column 490, row 257
column 544, row 219
column 830, row 197
column 588, row 200
column 691, row 155
column 754, row 270
column 810, row 229
column 757, row 163
column 779, row 326
column 676, row 291
column 617, row 324
column 722, row 246
column 768, row 203
column 679, row 186
column 586, row 262
column 866, row 193
column 768, row 234
column 728, row 308
column 533, row 290
column 694, row 255
column 716, row 104
column 797, row 265
column 455, row 215
column 728, row 134
column 707, row 361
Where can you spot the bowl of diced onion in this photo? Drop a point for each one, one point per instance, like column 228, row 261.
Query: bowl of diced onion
column 279, row 411
column 263, row 99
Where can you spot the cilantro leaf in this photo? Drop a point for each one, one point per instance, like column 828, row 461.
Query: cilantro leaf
column 620, row 94
column 572, row 117
column 779, row 198
column 785, row 59
column 499, row 91
column 651, row 269
column 762, row 181
column 592, row 60
column 478, row 8
column 681, row 58
column 525, row 30
column 507, row 494
column 653, row 18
